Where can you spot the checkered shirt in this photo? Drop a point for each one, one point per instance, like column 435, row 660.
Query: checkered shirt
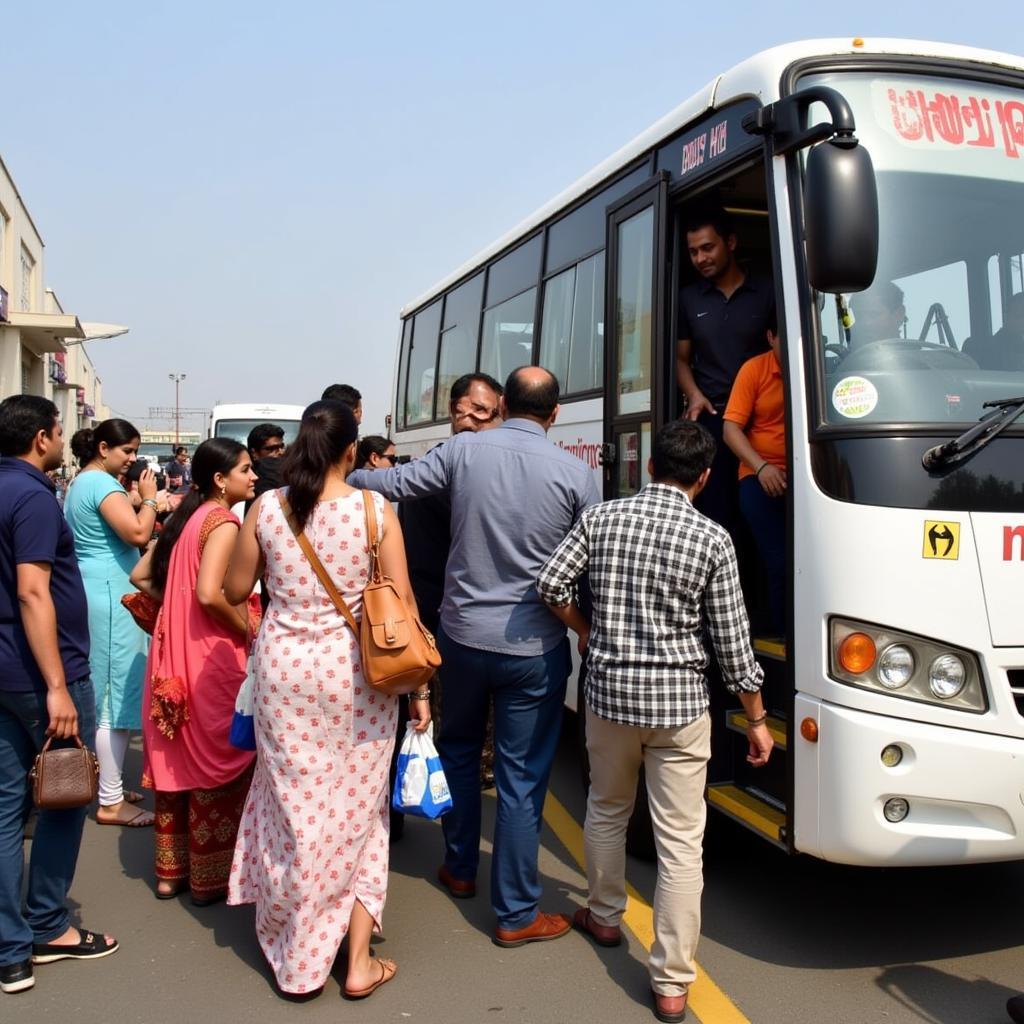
column 656, row 567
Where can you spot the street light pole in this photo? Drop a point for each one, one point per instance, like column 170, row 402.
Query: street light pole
column 177, row 378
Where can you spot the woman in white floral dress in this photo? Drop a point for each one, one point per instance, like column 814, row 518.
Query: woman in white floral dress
column 312, row 850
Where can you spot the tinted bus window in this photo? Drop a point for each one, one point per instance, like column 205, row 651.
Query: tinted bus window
column 507, row 340
column 458, row 337
column 572, row 326
column 403, row 364
column 582, row 231
column 514, row 272
column 419, row 397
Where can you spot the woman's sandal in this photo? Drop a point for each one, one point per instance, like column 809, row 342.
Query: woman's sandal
column 133, row 796
column 90, row 946
column 133, row 821
column 388, row 969
column 174, row 889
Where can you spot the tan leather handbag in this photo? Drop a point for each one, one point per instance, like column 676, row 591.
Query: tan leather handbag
column 64, row 777
column 398, row 653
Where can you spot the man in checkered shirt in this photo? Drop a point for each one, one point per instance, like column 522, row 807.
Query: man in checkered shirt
column 657, row 569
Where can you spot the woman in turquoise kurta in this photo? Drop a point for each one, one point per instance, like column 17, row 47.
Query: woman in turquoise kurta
column 108, row 533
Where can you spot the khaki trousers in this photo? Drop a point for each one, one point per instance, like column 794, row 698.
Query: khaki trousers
column 675, row 761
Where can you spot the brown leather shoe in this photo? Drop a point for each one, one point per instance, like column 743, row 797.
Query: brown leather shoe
column 602, row 934
column 458, row 888
column 671, row 1009
column 543, row 928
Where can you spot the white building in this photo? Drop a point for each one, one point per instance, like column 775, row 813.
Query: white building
column 41, row 350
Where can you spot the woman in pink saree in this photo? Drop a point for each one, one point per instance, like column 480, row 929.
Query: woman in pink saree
column 196, row 665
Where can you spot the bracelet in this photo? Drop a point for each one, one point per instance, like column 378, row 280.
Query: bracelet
column 420, row 695
column 758, row 721
column 759, row 468
column 150, row 502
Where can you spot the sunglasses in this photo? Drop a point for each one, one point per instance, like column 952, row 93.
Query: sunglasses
column 391, row 458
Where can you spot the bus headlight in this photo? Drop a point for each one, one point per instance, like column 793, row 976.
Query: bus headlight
column 907, row 667
column 947, row 676
column 896, row 666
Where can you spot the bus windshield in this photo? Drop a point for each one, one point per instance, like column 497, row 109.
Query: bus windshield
column 238, row 430
column 941, row 330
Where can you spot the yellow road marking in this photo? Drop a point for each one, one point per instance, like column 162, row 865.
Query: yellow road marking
column 706, row 999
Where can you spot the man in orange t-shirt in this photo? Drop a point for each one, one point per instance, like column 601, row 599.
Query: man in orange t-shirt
column 754, row 428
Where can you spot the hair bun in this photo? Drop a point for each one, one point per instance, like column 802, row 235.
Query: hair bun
column 83, row 445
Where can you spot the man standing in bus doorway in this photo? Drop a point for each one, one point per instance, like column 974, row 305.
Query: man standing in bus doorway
column 514, row 497
column 722, row 322
column 657, row 569
column 474, row 405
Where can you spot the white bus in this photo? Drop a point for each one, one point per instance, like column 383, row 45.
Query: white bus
column 237, row 419
column 898, row 692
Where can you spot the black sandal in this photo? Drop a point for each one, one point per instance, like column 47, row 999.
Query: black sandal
column 90, row 946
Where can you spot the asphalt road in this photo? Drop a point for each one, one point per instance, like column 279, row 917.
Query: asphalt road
column 785, row 940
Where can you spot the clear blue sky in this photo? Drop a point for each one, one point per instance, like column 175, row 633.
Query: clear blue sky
column 256, row 189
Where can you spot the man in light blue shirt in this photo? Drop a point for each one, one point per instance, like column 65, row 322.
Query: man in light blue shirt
column 514, row 496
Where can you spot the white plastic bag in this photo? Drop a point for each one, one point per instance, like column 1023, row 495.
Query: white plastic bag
column 420, row 785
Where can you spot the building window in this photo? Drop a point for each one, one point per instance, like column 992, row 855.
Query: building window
column 28, row 267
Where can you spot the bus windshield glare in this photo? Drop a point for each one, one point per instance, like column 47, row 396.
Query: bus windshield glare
column 941, row 330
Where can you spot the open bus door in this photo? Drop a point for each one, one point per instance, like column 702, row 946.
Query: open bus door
column 636, row 345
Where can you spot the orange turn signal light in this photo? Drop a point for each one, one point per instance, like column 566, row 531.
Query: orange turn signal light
column 857, row 653
column 809, row 730
column 858, row 42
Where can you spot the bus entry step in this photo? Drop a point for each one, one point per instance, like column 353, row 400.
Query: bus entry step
column 749, row 810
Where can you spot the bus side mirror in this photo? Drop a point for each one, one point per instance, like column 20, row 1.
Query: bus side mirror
column 841, row 216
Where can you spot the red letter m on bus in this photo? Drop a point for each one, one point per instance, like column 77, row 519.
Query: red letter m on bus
column 1009, row 533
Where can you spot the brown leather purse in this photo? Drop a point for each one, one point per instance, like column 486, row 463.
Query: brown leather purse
column 64, row 777
column 398, row 653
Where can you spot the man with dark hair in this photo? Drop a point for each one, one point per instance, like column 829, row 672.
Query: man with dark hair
column 657, row 569
column 45, row 690
column 514, row 496
column 347, row 395
column 722, row 320
column 266, row 441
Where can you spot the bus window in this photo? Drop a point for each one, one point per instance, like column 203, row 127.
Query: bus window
column 419, row 396
column 572, row 326
column 634, row 313
column 508, row 336
column 458, row 338
column 512, row 273
column 403, row 365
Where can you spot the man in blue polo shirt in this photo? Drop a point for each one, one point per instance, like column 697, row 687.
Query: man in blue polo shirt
column 723, row 318
column 44, row 691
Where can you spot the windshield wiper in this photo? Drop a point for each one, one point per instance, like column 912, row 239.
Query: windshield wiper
column 991, row 425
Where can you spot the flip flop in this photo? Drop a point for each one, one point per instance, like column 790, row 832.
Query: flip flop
column 133, row 821
column 178, row 888
column 91, row 946
column 388, row 969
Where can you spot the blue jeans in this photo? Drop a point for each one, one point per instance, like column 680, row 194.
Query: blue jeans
column 58, row 834
column 528, row 697
column 766, row 517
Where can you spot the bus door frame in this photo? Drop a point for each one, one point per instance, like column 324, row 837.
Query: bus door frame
column 653, row 194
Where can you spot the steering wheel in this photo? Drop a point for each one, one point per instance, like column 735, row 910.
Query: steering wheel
column 837, row 353
column 885, row 349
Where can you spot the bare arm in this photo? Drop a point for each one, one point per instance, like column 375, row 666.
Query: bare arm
column 135, row 528
column 141, row 577
column 571, row 615
column 393, row 564
column 210, row 583
column 771, row 478
column 695, row 400
column 39, row 617
column 246, row 565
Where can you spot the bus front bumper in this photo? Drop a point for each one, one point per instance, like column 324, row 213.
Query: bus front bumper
column 964, row 791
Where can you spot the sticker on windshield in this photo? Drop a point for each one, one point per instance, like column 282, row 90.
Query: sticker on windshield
column 854, row 397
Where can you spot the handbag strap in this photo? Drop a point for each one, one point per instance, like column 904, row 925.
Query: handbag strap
column 316, row 565
column 372, row 540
